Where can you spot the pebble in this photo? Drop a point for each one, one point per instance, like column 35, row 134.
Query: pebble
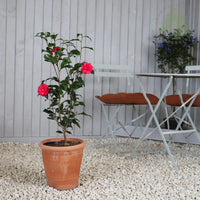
column 104, row 174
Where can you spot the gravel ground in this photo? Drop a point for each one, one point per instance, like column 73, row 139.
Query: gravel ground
column 104, row 175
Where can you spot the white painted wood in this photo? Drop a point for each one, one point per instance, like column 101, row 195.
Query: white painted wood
column 107, row 49
column 98, row 46
column 37, row 69
column 56, row 28
column 28, row 66
column 115, row 48
column 131, row 48
column 19, row 70
column 65, row 18
column 46, row 67
column 115, row 40
column 3, row 24
column 122, row 33
column 10, row 68
column 89, row 56
column 81, row 23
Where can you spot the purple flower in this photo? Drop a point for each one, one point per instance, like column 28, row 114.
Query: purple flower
column 160, row 45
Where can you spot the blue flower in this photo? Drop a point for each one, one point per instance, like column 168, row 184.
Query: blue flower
column 160, row 45
column 184, row 45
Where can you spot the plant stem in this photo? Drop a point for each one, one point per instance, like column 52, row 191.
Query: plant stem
column 59, row 104
column 64, row 134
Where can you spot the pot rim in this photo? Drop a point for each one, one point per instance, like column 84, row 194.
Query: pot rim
column 68, row 148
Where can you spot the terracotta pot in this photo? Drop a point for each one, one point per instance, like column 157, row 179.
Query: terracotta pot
column 62, row 164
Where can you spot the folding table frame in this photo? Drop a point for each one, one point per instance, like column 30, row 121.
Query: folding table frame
column 144, row 134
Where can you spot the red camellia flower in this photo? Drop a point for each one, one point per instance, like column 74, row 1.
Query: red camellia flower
column 56, row 48
column 86, row 68
column 43, row 90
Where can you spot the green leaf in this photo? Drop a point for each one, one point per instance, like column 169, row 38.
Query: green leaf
column 58, row 131
column 54, row 78
column 79, row 34
column 54, row 36
column 47, row 34
column 76, row 122
column 85, row 114
column 65, row 62
column 81, row 103
column 74, row 52
column 50, row 58
column 48, row 111
column 88, row 48
column 87, row 37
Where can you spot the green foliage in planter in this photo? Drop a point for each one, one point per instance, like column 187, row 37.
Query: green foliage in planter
column 62, row 87
column 173, row 50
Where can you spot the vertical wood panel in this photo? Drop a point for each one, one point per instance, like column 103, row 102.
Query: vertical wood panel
column 131, row 50
column 123, row 50
column 122, row 33
column 46, row 67
column 138, row 38
column 104, row 84
column 194, row 18
column 65, row 18
column 145, row 43
column 56, row 28
column 73, row 17
column 151, row 48
column 28, row 67
column 19, row 70
column 115, row 40
column 37, row 70
column 3, row 24
column 198, row 32
column 115, row 47
column 88, row 90
column 81, row 23
column 10, row 67
column 99, row 30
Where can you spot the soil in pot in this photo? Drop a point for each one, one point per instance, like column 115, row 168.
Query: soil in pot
column 62, row 143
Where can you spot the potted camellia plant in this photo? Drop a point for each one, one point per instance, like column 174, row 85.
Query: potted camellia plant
column 62, row 157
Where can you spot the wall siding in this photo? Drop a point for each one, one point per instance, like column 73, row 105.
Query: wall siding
column 122, row 33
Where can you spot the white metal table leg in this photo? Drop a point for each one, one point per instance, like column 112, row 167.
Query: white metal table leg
column 153, row 116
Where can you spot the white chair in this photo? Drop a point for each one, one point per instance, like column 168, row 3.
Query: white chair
column 193, row 100
column 119, row 100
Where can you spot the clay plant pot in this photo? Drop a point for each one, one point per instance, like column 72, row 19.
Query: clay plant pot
column 62, row 164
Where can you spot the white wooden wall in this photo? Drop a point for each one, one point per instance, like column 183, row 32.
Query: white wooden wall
column 122, row 33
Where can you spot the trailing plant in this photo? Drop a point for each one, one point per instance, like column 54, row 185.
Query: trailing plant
column 61, row 89
column 173, row 50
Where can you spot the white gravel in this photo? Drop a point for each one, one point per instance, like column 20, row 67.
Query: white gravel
column 104, row 175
